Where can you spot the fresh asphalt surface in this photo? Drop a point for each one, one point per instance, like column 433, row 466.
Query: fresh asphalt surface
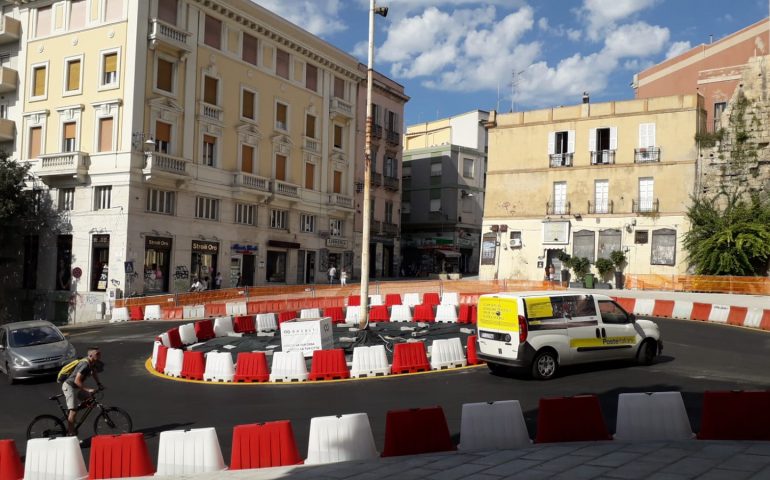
column 697, row 357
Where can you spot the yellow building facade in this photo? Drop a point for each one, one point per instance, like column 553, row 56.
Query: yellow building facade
column 587, row 180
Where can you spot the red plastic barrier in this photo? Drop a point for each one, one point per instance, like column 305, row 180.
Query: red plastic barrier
column 431, row 298
column 244, row 324
column 136, row 313
column 166, row 312
column 663, row 308
column 263, row 445
column 10, row 463
column 193, row 365
column 416, row 431
column 474, row 314
column 764, row 324
column 410, row 358
column 215, row 310
column 354, row 300
column 286, row 316
column 571, row 419
column 735, row 416
column 628, row 304
column 172, row 313
column 251, row 367
column 254, row 308
column 700, row 311
column 160, row 359
column 392, row 299
column 335, row 313
column 119, row 456
column 174, row 340
column 329, row 365
column 204, row 330
column 470, row 353
column 737, row 315
column 379, row 313
column 424, row 313
column 465, row 313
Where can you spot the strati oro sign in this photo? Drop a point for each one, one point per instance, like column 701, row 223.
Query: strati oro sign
column 199, row 246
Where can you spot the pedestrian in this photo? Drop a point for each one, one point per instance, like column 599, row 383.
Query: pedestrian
column 343, row 276
column 218, row 281
column 552, row 273
column 332, row 274
column 239, row 283
column 196, row 285
column 204, row 284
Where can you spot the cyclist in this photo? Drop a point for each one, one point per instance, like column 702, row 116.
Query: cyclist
column 74, row 386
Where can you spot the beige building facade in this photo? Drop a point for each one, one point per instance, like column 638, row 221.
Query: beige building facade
column 587, row 180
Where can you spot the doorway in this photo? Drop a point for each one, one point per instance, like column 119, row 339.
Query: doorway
column 247, row 270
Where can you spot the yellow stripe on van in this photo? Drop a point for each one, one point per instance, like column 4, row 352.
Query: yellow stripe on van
column 498, row 314
column 601, row 342
column 539, row 307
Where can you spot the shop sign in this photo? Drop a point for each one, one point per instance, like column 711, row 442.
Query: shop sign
column 157, row 243
column 200, row 246
column 282, row 244
column 101, row 240
column 244, row 249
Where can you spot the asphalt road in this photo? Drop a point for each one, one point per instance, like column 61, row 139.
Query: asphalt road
column 697, row 357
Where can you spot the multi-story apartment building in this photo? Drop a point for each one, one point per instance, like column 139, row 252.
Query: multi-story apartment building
column 445, row 163
column 388, row 100
column 590, row 179
column 10, row 35
column 184, row 138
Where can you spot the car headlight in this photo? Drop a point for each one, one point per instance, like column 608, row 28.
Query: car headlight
column 20, row 362
column 71, row 352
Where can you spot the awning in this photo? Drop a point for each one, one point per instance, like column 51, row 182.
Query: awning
column 449, row 253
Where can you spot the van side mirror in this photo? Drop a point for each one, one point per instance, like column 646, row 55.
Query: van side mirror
column 632, row 318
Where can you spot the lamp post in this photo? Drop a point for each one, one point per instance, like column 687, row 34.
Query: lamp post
column 367, row 210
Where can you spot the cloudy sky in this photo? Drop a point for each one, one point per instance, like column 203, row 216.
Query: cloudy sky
column 455, row 56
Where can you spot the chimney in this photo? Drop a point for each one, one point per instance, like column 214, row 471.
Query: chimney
column 711, row 39
column 586, row 98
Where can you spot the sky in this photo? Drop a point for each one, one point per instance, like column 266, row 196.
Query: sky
column 454, row 56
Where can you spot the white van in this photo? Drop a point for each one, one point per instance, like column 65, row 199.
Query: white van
column 541, row 331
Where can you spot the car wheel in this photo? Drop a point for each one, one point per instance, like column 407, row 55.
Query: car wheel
column 544, row 365
column 9, row 375
column 647, row 352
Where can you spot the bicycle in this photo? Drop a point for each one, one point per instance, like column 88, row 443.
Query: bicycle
column 110, row 420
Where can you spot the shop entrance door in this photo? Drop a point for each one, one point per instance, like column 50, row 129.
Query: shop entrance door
column 247, row 270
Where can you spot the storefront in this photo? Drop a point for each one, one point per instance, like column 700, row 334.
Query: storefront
column 157, row 264
column 277, row 260
column 203, row 263
column 243, row 263
column 100, row 259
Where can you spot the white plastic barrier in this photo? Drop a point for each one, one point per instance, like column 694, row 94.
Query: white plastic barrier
column 369, row 362
column 164, row 339
column 188, row 311
column 219, row 367
column 310, row 313
column 375, row 300
column 119, row 314
column 652, row 417
column 450, row 298
column 352, row 314
column 753, row 317
column 644, row 306
column 719, row 313
column 223, row 326
column 340, row 438
column 174, row 360
column 411, row 299
column 266, row 322
column 493, row 426
column 288, row 367
column 152, row 312
column 182, row 452
column 682, row 309
column 447, row 353
column 236, row 308
column 400, row 313
column 187, row 334
column 155, row 345
column 446, row 313
column 54, row 458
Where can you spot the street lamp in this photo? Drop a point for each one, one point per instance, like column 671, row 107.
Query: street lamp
column 142, row 141
column 367, row 208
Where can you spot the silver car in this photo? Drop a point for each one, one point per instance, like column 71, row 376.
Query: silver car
column 32, row 349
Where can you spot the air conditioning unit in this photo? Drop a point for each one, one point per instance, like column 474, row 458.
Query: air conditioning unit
column 515, row 243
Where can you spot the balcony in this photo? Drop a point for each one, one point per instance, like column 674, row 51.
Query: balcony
column 339, row 200
column 375, row 226
column 598, row 208
column 376, row 179
column 560, row 159
column 336, row 242
column 211, row 112
column 170, row 36
column 390, row 229
column 391, row 183
column 558, row 208
column 603, row 157
column 312, row 145
column 339, row 108
column 646, row 205
column 285, row 189
column 251, row 182
column 393, row 138
column 7, row 130
column 376, row 131
column 163, row 164
column 647, row 155
column 64, row 164
column 10, row 29
column 9, row 79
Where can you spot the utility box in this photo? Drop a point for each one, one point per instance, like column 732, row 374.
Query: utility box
column 307, row 335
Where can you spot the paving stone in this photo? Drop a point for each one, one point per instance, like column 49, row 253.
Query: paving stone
column 581, row 472
column 532, row 474
column 689, row 466
column 751, row 463
column 635, row 470
column 498, row 457
column 512, row 467
column 562, row 464
column 722, row 474
column 550, row 452
column 598, row 449
column 460, row 471
column 614, row 459
column 451, row 461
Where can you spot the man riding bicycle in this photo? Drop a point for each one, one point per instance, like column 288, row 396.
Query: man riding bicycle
column 74, row 386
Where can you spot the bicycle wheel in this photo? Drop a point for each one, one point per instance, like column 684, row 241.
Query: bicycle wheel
column 112, row 420
column 46, row 426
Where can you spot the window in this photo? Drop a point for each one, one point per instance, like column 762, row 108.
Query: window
column 337, row 187
column 206, row 208
column 209, row 150
column 561, row 147
column 43, row 26
column 113, row 10
column 39, row 77
column 468, row 168
column 338, row 136
column 307, row 223
column 602, row 143
column 250, row 49
column 282, row 63
column 719, row 109
column 583, row 242
column 213, row 32
column 310, row 126
column 72, row 82
column 309, row 176
column 663, row 247
column 105, row 135
column 102, row 198
column 245, row 214
column 281, row 116
column 612, row 313
column 336, row 227
column 110, row 69
column 390, row 168
column 165, row 76
column 160, row 201
column 248, row 102
column 609, row 241
column 559, row 198
column 376, row 115
column 247, row 158
column 435, row 169
column 168, row 10
column 69, row 139
column 35, row 141
column 66, row 199
column 279, row 219
column 646, row 135
column 210, row 90
column 77, row 14
column 406, row 208
column 646, row 191
column 388, row 212
column 406, row 171
column 162, row 137
column 641, row 237
column 311, row 77
column 280, row 167
column 339, row 88
column 435, row 204
column 601, row 196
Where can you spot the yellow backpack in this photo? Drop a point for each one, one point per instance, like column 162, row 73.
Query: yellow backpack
column 67, row 369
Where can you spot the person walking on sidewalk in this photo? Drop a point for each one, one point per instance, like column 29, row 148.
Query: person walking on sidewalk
column 332, row 274
column 343, row 276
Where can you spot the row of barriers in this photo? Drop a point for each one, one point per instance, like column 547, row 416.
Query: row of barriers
column 641, row 417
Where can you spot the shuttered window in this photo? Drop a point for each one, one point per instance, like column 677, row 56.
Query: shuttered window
column 105, row 135
column 210, row 90
column 213, row 33
column 162, row 137
column 309, row 176
column 167, row 11
column 113, row 10
column 73, row 75
column 165, row 80
column 35, row 137
column 247, row 158
column 339, row 87
column 337, row 136
column 281, row 116
column 70, row 132
column 249, row 53
column 38, row 79
column 282, row 64
column 43, row 21
column 110, row 68
column 280, row 167
column 310, row 126
column 337, row 182
column 209, row 150
column 77, row 14
column 311, row 77
column 247, row 109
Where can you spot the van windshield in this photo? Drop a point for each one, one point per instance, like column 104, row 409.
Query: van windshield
column 27, row 337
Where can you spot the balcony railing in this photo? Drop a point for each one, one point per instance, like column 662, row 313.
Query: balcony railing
column 391, row 183
column 646, row 155
column 336, row 242
column 162, row 162
column 10, row 29
column 9, row 79
column 7, row 130
column 557, row 208
column 375, row 226
column 253, row 182
column 377, row 131
column 560, row 159
column 390, row 228
column 212, row 112
column 285, row 189
column 645, row 206
column 339, row 107
column 376, row 179
column 717, row 125
column 161, row 31
column 339, row 200
column 596, row 208
column 312, row 145
column 603, row 157
column 64, row 164
column 393, row 138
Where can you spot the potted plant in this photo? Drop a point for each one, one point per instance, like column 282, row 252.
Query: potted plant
column 604, row 266
column 619, row 260
column 580, row 267
column 565, row 260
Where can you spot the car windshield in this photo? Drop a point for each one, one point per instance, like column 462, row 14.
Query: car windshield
column 27, row 337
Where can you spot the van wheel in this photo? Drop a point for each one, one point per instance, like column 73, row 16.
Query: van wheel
column 544, row 365
column 647, row 352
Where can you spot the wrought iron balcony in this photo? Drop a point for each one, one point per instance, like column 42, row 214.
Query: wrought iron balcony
column 391, row 183
column 340, row 108
column 390, row 228
column 597, row 208
column 645, row 206
column 377, row 131
column 393, row 137
column 560, row 159
column 375, row 226
column 647, row 155
column 557, row 208
column 603, row 157
column 162, row 32
column 376, row 179
column 286, row 189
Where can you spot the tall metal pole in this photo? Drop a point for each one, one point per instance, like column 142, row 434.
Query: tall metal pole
column 367, row 213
